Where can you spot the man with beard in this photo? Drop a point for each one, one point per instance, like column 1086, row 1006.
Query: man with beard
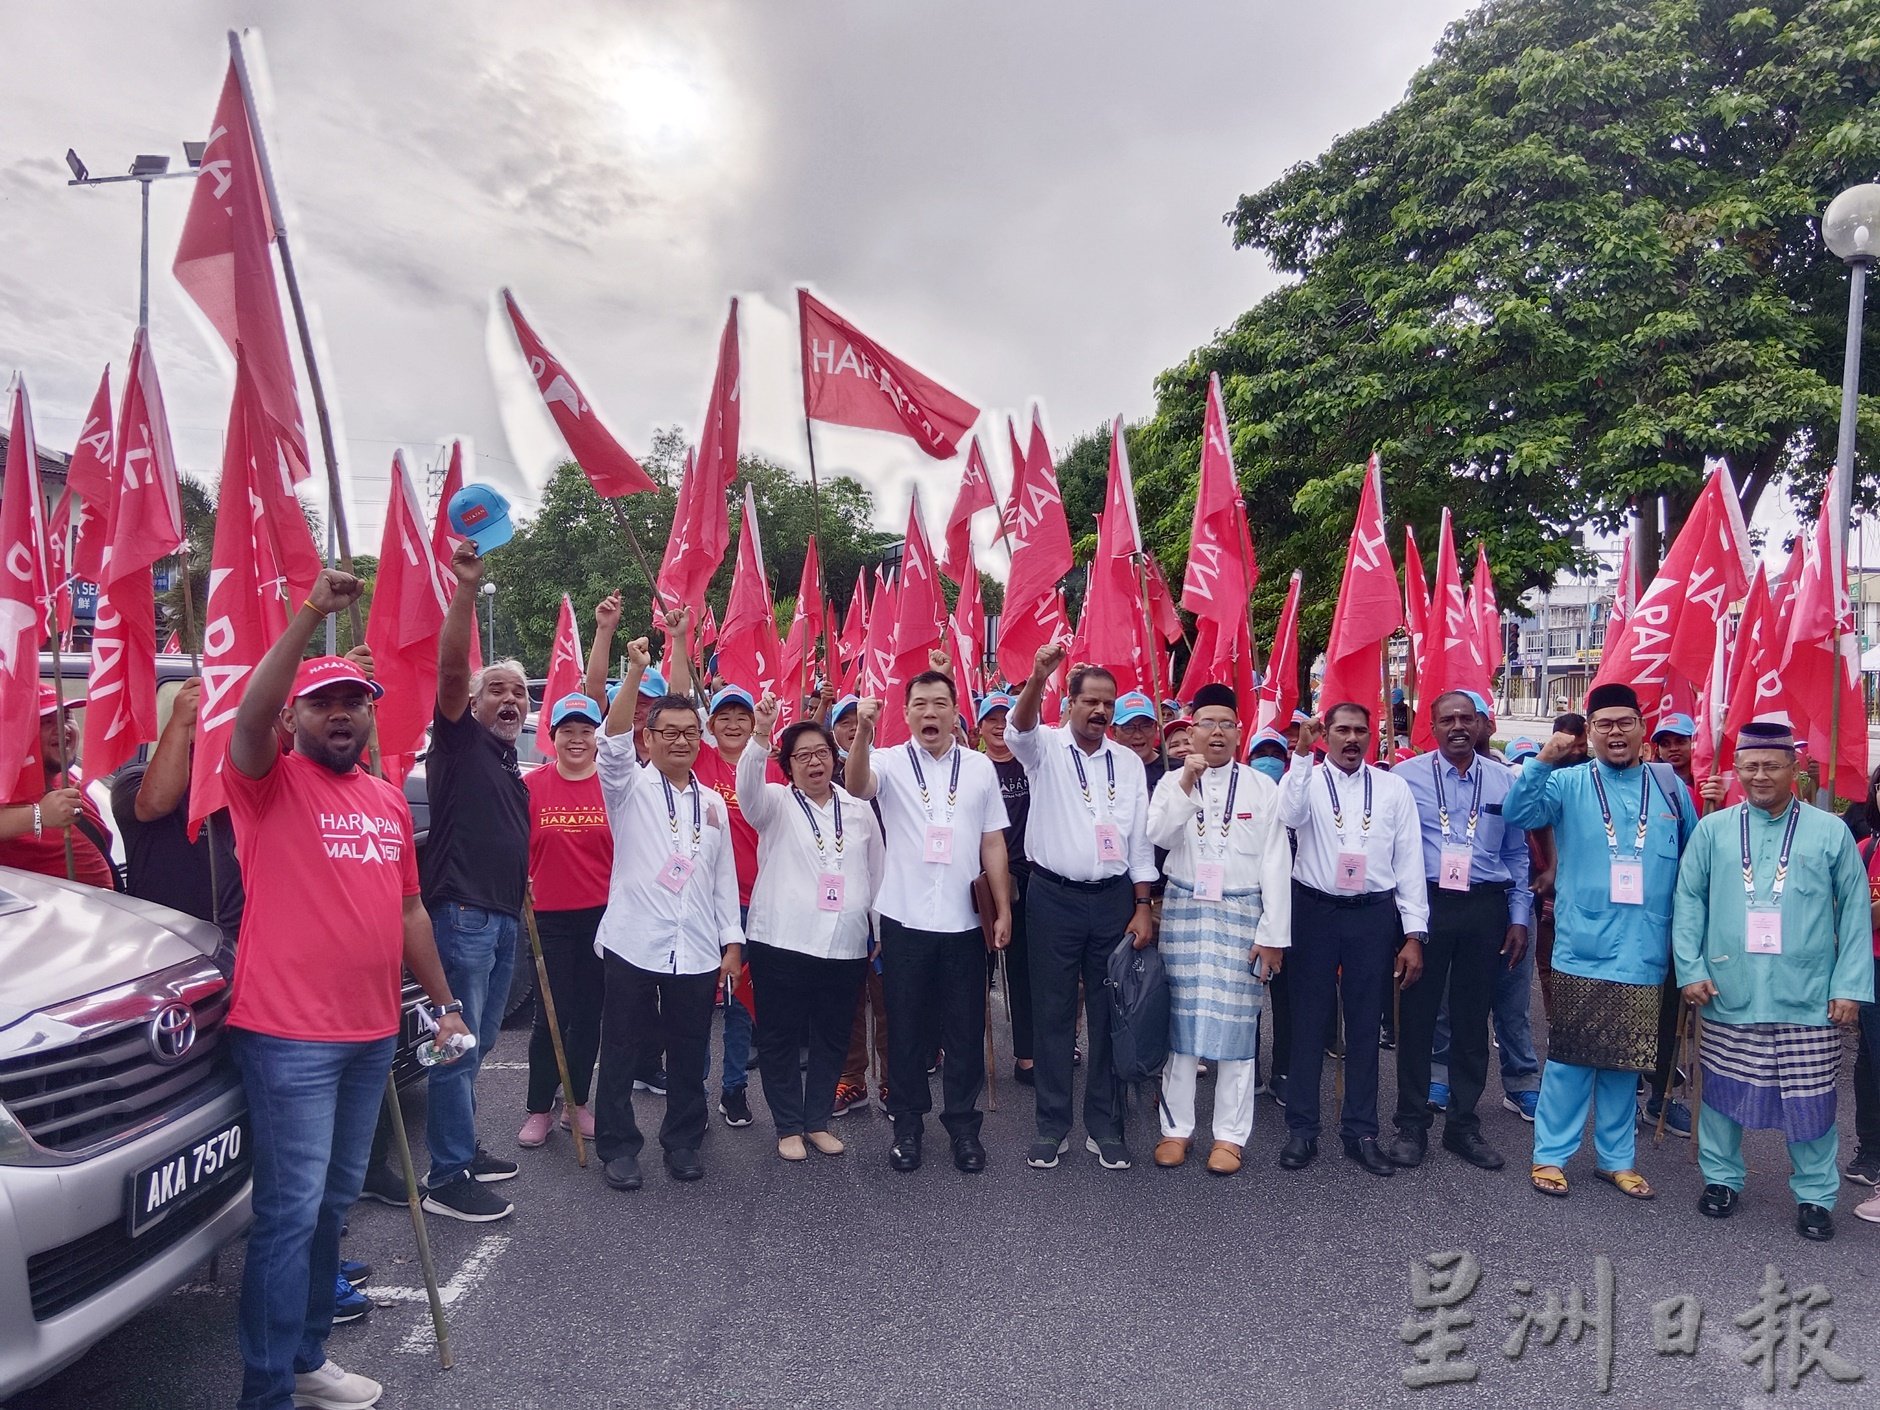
column 476, row 873
column 331, row 921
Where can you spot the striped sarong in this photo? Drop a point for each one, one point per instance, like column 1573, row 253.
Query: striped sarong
column 1772, row 1076
column 1214, row 1000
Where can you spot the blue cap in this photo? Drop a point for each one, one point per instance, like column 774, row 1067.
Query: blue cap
column 844, row 706
column 653, row 684
column 1269, row 735
column 1133, row 705
column 575, row 706
column 1676, row 724
column 993, row 700
column 1172, row 704
column 1522, row 748
column 1300, row 717
column 1481, row 706
column 481, row 515
column 731, row 695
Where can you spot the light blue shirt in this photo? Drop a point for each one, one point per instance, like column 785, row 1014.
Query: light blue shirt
column 1595, row 937
column 1498, row 854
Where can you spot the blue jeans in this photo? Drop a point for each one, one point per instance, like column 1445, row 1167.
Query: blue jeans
column 737, row 1039
column 311, row 1108
column 478, row 948
column 1520, row 1068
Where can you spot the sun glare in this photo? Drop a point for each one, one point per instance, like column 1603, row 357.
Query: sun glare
column 665, row 107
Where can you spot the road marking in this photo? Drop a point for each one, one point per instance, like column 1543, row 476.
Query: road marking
column 422, row 1338
column 503, row 1067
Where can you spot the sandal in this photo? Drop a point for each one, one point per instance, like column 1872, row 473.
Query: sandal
column 1627, row 1182
column 1549, row 1180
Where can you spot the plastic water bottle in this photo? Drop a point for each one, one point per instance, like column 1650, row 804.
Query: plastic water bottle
column 432, row 1053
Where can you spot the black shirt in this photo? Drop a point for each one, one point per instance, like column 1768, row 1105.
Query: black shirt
column 1015, row 789
column 169, row 869
column 477, row 853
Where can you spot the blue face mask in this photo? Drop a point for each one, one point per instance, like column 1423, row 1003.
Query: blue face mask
column 1274, row 769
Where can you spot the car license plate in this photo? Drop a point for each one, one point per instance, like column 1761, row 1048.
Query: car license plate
column 158, row 1189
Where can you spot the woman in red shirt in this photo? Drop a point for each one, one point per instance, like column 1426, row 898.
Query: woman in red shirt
column 571, row 856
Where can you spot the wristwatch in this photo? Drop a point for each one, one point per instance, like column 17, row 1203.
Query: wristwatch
column 441, row 1011
column 1419, row 936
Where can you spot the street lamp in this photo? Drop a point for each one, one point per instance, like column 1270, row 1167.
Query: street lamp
column 1850, row 227
column 489, row 591
column 144, row 170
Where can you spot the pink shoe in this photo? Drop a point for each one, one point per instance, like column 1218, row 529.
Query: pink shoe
column 534, row 1131
column 585, row 1116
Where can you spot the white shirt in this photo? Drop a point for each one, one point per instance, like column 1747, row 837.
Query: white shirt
column 1254, row 854
column 1067, row 807
column 792, row 857
column 920, row 894
column 646, row 923
column 1392, row 846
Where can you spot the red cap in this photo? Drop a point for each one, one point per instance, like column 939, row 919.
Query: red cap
column 323, row 671
column 48, row 701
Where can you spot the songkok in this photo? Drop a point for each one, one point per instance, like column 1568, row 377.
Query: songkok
column 1611, row 696
column 1215, row 694
column 1765, row 734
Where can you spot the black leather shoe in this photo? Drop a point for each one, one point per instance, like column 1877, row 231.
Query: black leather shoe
column 904, row 1154
column 1297, row 1153
column 1024, row 1076
column 1406, row 1151
column 1814, row 1222
column 1717, row 1201
column 1364, row 1150
column 623, row 1172
column 1474, row 1149
column 684, row 1165
column 969, row 1155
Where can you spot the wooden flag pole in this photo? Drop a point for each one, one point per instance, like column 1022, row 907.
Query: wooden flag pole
column 554, row 1027
column 1149, row 642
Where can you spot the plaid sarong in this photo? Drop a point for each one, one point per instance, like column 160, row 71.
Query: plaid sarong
column 1214, row 1000
column 1772, row 1076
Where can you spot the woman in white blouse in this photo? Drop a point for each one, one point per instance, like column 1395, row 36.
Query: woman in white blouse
column 819, row 861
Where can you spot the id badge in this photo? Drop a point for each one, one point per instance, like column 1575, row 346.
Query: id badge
column 1454, row 875
column 1765, row 932
column 677, row 871
column 939, row 846
column 1210, row 878
column 1628, row 883
column 829, row 891
column 1109, row 843
column 1350, row 871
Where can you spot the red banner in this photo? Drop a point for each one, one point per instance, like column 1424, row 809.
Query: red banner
column 606, row 463
column 25, row 599
column 975, row 494
column 851, row 380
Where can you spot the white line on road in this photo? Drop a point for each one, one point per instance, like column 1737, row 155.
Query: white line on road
column 422, row 1338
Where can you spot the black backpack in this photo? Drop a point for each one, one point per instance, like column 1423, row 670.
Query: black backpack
column 1139, row 1004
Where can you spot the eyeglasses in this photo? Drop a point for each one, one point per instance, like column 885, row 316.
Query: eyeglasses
column 1761, row 770
column 1214, row 726
column 1618, row 726
column 675, row 736
column 810, row 756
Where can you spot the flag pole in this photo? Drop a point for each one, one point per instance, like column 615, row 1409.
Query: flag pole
column 1149, row 642
column 195, row 669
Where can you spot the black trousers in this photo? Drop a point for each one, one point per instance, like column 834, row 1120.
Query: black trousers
column 1340, row 947
column 1669, row 1001
column 806, row 1001
column 1462, row 959
column 934, row 984
column 575, row 978
column 1072, row 934
column 642, row 1009
column 1018, row 971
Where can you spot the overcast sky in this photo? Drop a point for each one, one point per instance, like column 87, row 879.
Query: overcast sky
column 1022, row 199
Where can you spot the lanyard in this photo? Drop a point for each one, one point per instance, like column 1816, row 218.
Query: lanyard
column 1338, row 812
column 1782, row 861
column 920, row 781
column 1442, row 807
column 809, row 813
column 1227, row 813
column 1083, row 779
column 1644, row 811
column 672, row 812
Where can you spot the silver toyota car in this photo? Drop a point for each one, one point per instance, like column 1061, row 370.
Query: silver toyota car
column 124, row 1144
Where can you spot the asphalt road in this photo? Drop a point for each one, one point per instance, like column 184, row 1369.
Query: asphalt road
column 840, row 1282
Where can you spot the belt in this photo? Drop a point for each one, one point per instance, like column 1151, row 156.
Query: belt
column 1503, row 886
column 1362, row 898
column 1069, row 885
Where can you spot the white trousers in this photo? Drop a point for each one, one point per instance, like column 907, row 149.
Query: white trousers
column 1233, row 1098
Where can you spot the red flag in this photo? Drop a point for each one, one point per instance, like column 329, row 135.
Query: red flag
column 1487, row 615
column 851, row 380
column 566, row 669
column 847, row 667
column 679, row 568
column 146, row 524
column 1200, row 668
column 708, row 629
column 1041, row 556
column 90, row 476
column 748, row 651
column 878, row 646
column 606, row 463
column 1008, row 512
column 223, row 263
column 1112, row 622
column 1625, row 591
column 1162, row 614
column 1452, row 656
column 59, row 537
column 1712, row 703
column 975, row 494
column 1279, row 693
column 1756, row 688
column 25, row 600
column 1822, row 652
column 1234, row 667
column 701, row 524
column 1221, row 570
column 172, row 645
column 1368, row 610
column 1670, row 635
column 1416, row 608
column 261, row 568
column 444, row 543
column 969, row 624
column 919, row 618
column 799, row 649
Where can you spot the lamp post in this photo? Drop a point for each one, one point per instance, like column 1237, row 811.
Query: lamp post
column 1850, row 227
column 144, row 170
column 489, row 591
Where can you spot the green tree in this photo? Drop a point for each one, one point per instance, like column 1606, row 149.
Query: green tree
column 1581, row 255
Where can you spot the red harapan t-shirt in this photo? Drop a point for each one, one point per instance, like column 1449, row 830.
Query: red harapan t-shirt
column 571, row 848
column 722, row 778
column 327, row 860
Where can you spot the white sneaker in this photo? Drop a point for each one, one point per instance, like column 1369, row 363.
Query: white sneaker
column 1868, row 1210
column 332, row 1387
